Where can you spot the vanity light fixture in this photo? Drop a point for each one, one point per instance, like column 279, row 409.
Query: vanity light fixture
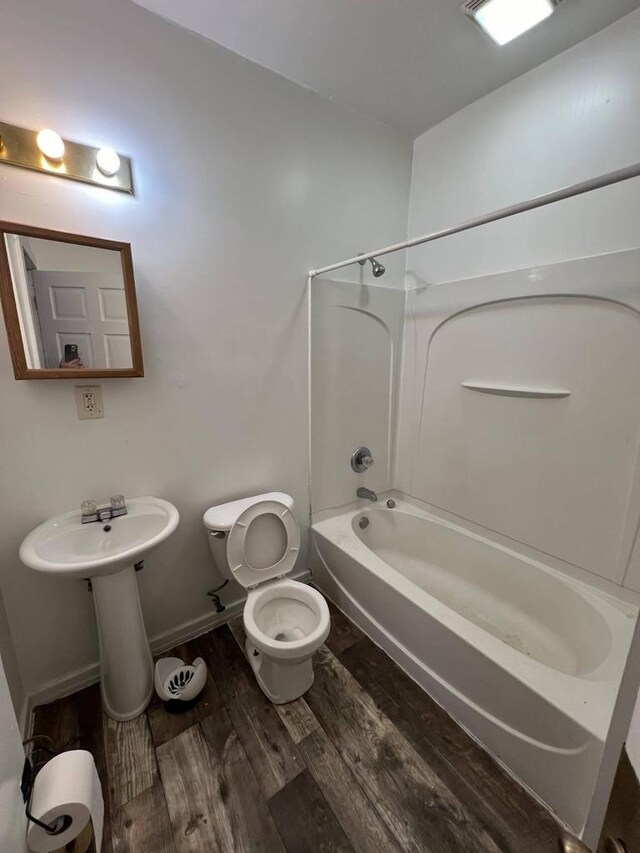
column 505, row 20
column 46, row 151
column 50, row 144
column 108, row 161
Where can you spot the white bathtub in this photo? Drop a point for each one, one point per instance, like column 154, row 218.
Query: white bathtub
column 527, row 659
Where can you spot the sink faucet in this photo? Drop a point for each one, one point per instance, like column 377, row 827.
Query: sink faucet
column 91, row 512
column 369, row 494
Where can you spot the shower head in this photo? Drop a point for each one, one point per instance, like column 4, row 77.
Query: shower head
column 378, row 268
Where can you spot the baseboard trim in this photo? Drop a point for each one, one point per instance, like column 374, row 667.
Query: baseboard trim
column 88, row 675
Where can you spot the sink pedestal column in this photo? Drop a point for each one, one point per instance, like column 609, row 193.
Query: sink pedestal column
column 126, row 664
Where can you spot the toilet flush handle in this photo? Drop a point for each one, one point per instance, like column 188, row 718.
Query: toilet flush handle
column 217, row 534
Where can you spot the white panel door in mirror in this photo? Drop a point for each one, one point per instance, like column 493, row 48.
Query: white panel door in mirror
column 113, row 305
column 67, row 302
column 552, row 472
column 117, row 350
column 86, row 310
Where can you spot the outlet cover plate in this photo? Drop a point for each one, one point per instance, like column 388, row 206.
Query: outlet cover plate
column 89, row 402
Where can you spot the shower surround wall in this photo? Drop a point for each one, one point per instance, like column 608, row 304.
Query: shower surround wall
column 243, row 182
column 513, row 418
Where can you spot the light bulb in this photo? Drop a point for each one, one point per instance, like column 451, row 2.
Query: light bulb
column 51, row 144
column 107, row 161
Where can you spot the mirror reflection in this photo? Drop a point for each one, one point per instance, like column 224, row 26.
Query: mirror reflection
column 71, row 303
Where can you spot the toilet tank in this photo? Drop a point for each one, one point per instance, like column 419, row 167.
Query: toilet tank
column 218, row 521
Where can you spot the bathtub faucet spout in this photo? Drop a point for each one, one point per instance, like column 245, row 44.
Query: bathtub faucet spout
column 369, row 494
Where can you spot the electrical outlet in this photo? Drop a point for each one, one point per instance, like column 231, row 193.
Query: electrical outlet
column 89, row 402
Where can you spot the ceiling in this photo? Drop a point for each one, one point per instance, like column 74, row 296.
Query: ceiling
column 406, row 63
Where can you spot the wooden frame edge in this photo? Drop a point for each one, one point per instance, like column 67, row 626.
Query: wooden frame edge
column 12, row 321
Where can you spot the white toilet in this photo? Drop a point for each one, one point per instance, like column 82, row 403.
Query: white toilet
column 256, row 542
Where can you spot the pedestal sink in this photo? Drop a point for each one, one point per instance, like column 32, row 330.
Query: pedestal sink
column 106, row 552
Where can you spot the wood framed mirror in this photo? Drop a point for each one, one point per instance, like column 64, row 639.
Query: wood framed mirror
column 69, row 305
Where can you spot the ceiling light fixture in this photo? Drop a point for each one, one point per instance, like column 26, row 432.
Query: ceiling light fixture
column 108, row 161
column 505, row 20
column 46, row 151
column 50, row 144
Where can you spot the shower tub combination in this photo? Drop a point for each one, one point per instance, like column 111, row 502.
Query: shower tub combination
column 527, row 659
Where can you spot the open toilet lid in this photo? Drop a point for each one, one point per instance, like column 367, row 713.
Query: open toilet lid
column 240, row 549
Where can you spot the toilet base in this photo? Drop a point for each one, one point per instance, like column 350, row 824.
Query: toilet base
column 280, row 681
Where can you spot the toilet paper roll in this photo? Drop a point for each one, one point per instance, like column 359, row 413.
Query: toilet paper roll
column 66, row 785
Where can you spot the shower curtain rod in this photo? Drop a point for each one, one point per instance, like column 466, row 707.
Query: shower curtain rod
column 538, row 201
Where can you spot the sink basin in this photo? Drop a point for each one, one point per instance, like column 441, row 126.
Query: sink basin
column 107, row 552
column 65, row 547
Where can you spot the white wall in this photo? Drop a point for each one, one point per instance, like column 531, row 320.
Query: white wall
column 572, row 118
column 575, row 117
column 12, row 818
column 10, row 666
column 243, row 182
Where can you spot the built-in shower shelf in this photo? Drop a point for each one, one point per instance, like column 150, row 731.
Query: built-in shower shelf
column 516, row 390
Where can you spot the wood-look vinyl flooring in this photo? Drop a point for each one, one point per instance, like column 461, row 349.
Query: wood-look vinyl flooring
column 365, row 762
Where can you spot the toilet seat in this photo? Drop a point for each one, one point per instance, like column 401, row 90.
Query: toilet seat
column 281, row 594
column 251, row 576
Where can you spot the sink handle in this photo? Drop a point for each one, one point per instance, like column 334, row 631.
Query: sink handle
column 117, row 506
column 88, row 508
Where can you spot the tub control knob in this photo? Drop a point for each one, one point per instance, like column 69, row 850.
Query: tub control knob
column 361, row 459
